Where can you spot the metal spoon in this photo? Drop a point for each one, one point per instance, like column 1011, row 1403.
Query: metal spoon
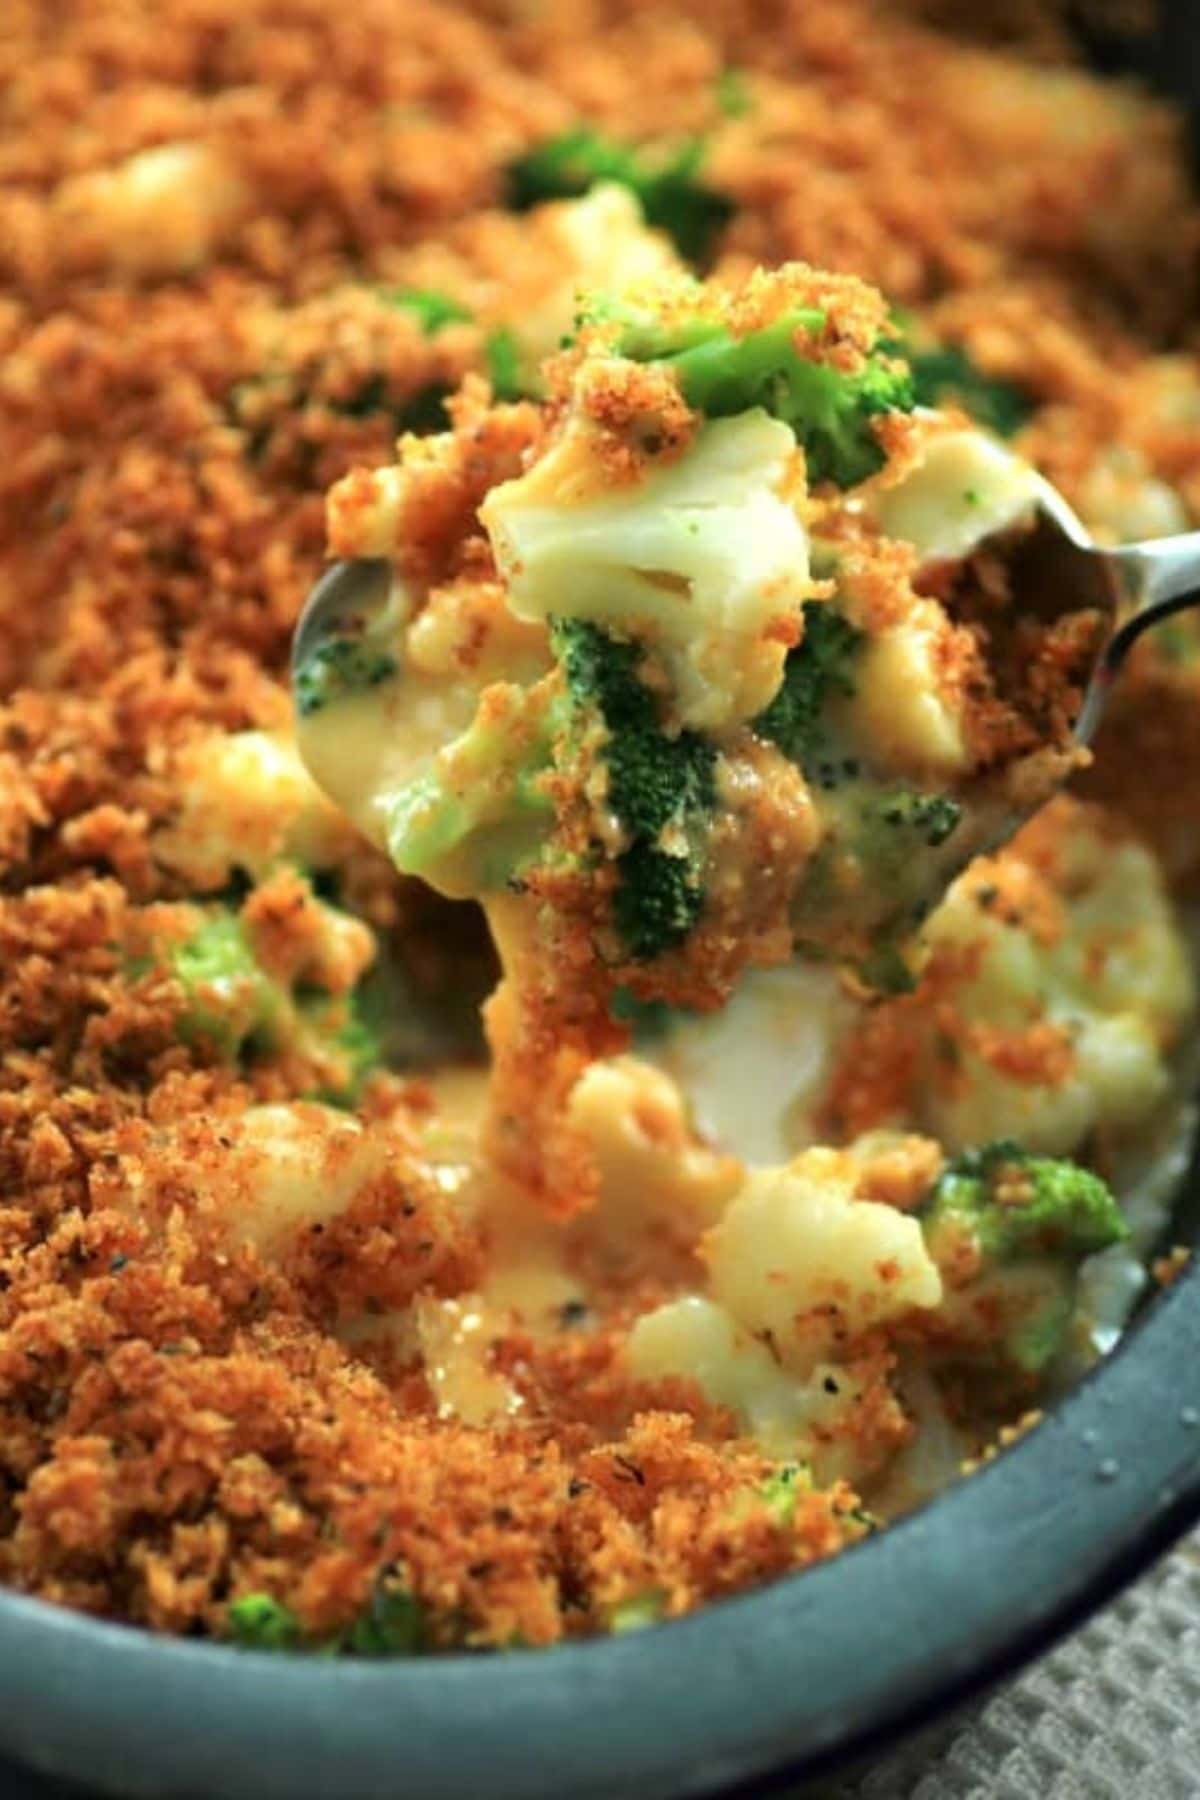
column 1134, row 587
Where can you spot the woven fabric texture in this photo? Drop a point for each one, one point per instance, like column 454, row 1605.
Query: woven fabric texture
column 1112, row 1714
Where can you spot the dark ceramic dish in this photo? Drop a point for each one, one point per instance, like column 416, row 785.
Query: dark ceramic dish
column 774, row 1689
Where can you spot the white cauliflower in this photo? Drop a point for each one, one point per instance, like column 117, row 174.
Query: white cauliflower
column 799, row 1269
column 246, row 802
column 800, row 1261
column 702, row 559
column 163, row 211
column 1115, row 978
column 964, row 488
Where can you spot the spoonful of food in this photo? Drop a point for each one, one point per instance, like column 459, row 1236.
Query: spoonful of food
column 723, row 652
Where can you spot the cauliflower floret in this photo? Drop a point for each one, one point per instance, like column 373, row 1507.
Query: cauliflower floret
column 799, row 1260
column 654, row 1172
column 604, row 243
column 246, row 802
column 1058, row 986
column 733, row 1368
column 279, row 1169
column 1113, row 978
column 1122, row 501
column 898, row 710
column 703, row 559
column 964, row 488
column 162, row 212
column 455, row 1338
column 842, row 1419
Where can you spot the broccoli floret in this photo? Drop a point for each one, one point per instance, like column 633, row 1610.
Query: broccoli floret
column 668, row 185
column 351, row 1045
column 781, row 1488
column 1015, row 1205
column 430, row 308
column 656, row 783
column 830, row 410
column 472, row 820
column 637, row 1612
column 425, row 411
column 946, row 373
column 886, row 971
column 657, row 902
column 872, row 874
column 337, row 667
column 257, row 1622
column 229, row 998
column 391, row 1624
column 1009, row 1230
column 233, row 1006
column 503, row 357
column 819, row 668
column 649, row 1020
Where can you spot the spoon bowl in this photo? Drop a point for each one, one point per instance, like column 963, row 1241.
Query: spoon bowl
column 1054, row 568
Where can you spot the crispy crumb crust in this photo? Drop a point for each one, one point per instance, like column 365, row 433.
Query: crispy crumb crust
column 177, row 1423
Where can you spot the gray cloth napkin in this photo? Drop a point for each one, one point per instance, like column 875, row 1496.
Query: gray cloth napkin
column 1112, row 1714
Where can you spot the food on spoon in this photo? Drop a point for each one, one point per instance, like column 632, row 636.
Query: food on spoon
column 708, row 660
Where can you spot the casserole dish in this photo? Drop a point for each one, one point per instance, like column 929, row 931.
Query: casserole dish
column 785, row 1683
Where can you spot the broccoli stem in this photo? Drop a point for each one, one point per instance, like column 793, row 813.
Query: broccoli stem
column 656, row 782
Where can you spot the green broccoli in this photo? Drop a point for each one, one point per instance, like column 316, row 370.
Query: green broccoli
column 470, row 829
column 649, row 1020
column 872, row 874
column 233, row 1006
column 819, row 668
column 351, row 1046
column 657, row 783
column 1014, row 1204
column 886, row 971
column 257, row 1622
column 424, row 411
column 393, row 1623
column 830, row 410
column 1009, row 1230
column 946, row 372
column 667, row 184
column 781, row 1489
column 503, row 357
column 229, row 999
column 337, row 667
column 430, row 308
column 635, row 1613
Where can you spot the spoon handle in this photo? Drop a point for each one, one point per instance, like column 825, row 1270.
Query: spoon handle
column 1161, row 571
column 1161, row 577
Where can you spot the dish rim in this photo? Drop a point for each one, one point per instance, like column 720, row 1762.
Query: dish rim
column 946, row 1601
